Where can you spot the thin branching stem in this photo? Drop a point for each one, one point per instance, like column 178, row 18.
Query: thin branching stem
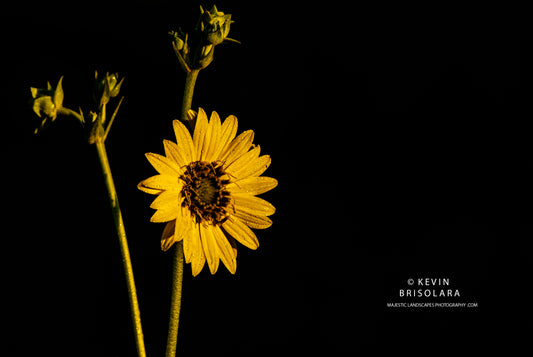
column 112, row 119
column 124, row 250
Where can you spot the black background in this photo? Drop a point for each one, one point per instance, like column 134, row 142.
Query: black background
column 399, row 136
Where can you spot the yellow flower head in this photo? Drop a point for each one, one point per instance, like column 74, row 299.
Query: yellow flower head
column 206, row 190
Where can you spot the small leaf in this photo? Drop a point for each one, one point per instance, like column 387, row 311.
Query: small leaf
column 116, row 89
column 58, row 94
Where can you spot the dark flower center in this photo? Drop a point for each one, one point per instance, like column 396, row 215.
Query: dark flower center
column 204, row 192
column 207, row 189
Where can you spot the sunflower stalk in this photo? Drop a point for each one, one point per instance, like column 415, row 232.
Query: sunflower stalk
column 177, row 271
column 47, row 103
column 190, row 81
column 213, row 28
column 98, row 136
column 175, row 305
column 124, row 250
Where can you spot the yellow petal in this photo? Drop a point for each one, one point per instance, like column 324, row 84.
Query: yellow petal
column 191, row 115
column 210, row 248
column 173, row 152
column 213, row 133
column 183, row 223
column 188, row 246
column 167, row 198
column 252, row 204
column 225, row 250
column 166, row 213
column 168, row 205
column 241, row 232
column 255, row 168
column 243, row 161
column 227, row 133
column 200, row 135
column 252, row 185
column 152, row 191
column 192, row 247
column 163, row 165
column 207, row 143
column 233, row 244
column 252, row 220
column 237, row 147
column 197, row 257
column 167, row 238
column 162, row 182
column 184, row 140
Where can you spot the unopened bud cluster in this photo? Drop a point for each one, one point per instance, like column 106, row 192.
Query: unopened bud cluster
column 106, row 87
column 212, row 29
column 47, row 103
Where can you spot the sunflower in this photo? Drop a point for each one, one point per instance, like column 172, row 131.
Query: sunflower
column 206, row 191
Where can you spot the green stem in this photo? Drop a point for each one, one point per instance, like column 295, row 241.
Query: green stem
column 119, row 224
column 67, row 111
column 175, row 304
column 112, row 119
column 190, row 81
column 177, row 271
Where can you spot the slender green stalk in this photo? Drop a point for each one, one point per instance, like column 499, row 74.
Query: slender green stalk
column 112, row 118
column 175, row 304
column 67, row 111
column 177, row 271
column 119, row 224
column 190, row 81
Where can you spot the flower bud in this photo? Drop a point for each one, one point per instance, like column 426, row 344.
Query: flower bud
column 179, row 40
column 214, row 25
column 106, row 87
column 47, row 102
column 212, row 29
column 206, row 56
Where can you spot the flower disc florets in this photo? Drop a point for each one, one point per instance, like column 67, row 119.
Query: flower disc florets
column 204, row 192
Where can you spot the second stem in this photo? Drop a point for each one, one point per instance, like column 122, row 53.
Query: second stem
column 124, row 250
column 177, row 271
